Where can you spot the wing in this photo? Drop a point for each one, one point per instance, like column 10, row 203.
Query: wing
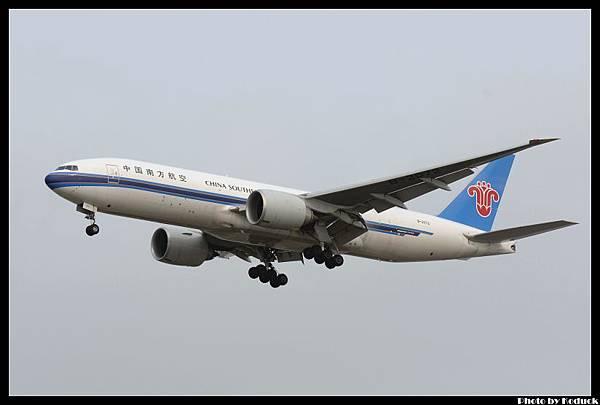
column 226, row 249
column 340, row 210
column 382, row 194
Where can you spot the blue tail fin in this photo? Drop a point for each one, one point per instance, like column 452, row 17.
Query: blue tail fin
column 478, row 203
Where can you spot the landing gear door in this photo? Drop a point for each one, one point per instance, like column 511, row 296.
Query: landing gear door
column 113, row 173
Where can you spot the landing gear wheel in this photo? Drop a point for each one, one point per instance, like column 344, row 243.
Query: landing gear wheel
column 282, row 279
column 319, row 259
column 253, row 272
column 274, row 282
column 316, row 250
column 308, row 253
column 263, row 277
column 92, row 230
column 329, row 263
column 271, row 274
column 338, row 260
column 262, row 273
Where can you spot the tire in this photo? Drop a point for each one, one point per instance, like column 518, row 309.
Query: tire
column 316, row 250
column 89, row 231
column 308, row 253
column 262, row 273
column 274, row 282
column 271, row 274
column 253, row 272
column 329, row 263
column 282, row 279
column 338, row 260
column 95, row 228
column 319, row 259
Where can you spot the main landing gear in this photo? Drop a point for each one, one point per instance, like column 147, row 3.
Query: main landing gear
column 321, row 256
column 266, row 273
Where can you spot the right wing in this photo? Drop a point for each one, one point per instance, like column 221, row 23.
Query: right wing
column 387, row 192
column 340, row 210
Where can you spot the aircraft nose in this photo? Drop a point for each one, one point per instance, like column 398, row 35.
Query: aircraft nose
column 49, row 180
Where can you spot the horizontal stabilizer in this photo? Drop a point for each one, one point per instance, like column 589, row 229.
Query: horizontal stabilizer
column 519, row 232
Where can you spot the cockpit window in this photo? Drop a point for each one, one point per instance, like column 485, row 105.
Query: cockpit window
column 68, row 167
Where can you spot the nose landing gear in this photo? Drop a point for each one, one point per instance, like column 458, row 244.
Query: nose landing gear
column 92, row 230
column 90, row 213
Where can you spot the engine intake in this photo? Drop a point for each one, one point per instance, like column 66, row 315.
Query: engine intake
column 277, row 209
column 180, row 247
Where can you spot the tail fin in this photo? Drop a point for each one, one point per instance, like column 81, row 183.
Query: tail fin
column 478, row 203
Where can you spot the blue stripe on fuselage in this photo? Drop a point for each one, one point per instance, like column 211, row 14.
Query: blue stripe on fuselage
column 395, row 229
column 83, row 179
column 60, row 180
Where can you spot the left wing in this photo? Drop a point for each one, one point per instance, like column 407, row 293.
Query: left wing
column 226, row 249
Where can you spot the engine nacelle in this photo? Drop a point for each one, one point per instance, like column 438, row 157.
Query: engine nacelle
column 276, row 209
column 180, row 247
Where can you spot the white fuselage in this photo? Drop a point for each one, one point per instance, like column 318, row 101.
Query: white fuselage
column 170, row 195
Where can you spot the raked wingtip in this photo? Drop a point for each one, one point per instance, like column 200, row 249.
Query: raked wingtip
column 542, row 140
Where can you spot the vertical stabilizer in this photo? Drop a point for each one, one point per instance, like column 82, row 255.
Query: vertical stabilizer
column 478, row 203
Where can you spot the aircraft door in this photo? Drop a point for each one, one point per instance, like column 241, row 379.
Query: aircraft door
column 113, row 174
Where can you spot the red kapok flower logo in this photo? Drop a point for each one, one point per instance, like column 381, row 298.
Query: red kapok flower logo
column 485, row 194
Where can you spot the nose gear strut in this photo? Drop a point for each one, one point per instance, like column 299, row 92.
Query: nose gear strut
column 90, row 213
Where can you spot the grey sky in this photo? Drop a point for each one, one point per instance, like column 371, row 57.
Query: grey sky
column 310, row 100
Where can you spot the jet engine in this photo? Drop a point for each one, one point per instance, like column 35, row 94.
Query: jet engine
column 277, row 209
column 180, row 247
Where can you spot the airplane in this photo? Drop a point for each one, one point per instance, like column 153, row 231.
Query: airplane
column 227, row 217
